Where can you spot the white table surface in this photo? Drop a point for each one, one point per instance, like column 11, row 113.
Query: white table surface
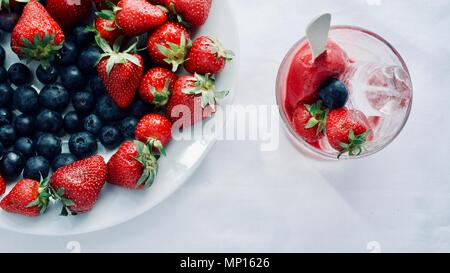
column 244, row 200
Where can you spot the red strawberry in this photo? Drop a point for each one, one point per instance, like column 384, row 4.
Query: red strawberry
column 193, row 99
column 168, row 45
column 207, row 56
column 120, row 72
column 157, row 85
column 190, row 12
column 155, row 130
column 107, row 29
column 347, row 131
column 309, row 121
column 135, row 17
column 69, row 12
column 133, row 166
column 78, row 185
column 36, row 35
column 28, row 197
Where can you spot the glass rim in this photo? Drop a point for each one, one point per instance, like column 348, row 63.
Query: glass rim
column 311, row 148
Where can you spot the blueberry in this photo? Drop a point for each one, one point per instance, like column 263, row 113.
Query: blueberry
column 83, row 144
column 2, row 55
column 20, row 74
column 333, row 93
column 83, row 102
column 97, row 86
column 54, row 97
column 128, row 126
column 139, row 108
column 8, row 21
column 11, row 165
column 26, row 146
column 107, row 109
column 81, row 36
column 49, row 121
column 7, row 135
column 6, row 94
column 24, row 125
column 3, row 74
column 37, row 135
column 72, row 78
column 72, row 123
column 92, row 124
column 110, row 136
column 47, row 75
column 37, row 167
column 26, row 99
column 5, row 116
column 88, row 60
column 63, row 160
column 48, row 146
column 2, row 148
column 68, row 54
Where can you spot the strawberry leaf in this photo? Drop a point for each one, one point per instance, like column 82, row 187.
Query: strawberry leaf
column 106, row 14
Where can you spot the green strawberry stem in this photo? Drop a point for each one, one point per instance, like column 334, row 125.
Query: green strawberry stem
column 42, row 49
column 108, row 14
column 148, row 161
column 114, row 55
column 66, row 203
column 5, row 4
column 43, row 196
column 218, row 49
column 161, row 98
column 318, row 117
column 175, row 54
column 355, row 145
column 174, row 16
column 205, row 86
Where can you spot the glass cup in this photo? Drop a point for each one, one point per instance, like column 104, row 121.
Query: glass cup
column 379, row 86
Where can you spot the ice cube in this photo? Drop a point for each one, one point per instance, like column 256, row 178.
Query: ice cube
column 379, row 89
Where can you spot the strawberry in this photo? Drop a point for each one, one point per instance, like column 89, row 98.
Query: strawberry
column 2, row 186
column 347, row 131
column 156, row 86
column 121, row 72
column 78, row 185
column 135, row 17
column 106, row 29
column 28, row 197
column 192, row 13
column 309, row 121
column 69, row 12
column 133, row 166
column 168, row 45
column 207, row 56
column 194, row 98
column 36, row 35
column 154, row 130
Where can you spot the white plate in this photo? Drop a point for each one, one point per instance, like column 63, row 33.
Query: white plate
column 117, row 205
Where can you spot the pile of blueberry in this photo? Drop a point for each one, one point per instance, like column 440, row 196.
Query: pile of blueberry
column 73, row 101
